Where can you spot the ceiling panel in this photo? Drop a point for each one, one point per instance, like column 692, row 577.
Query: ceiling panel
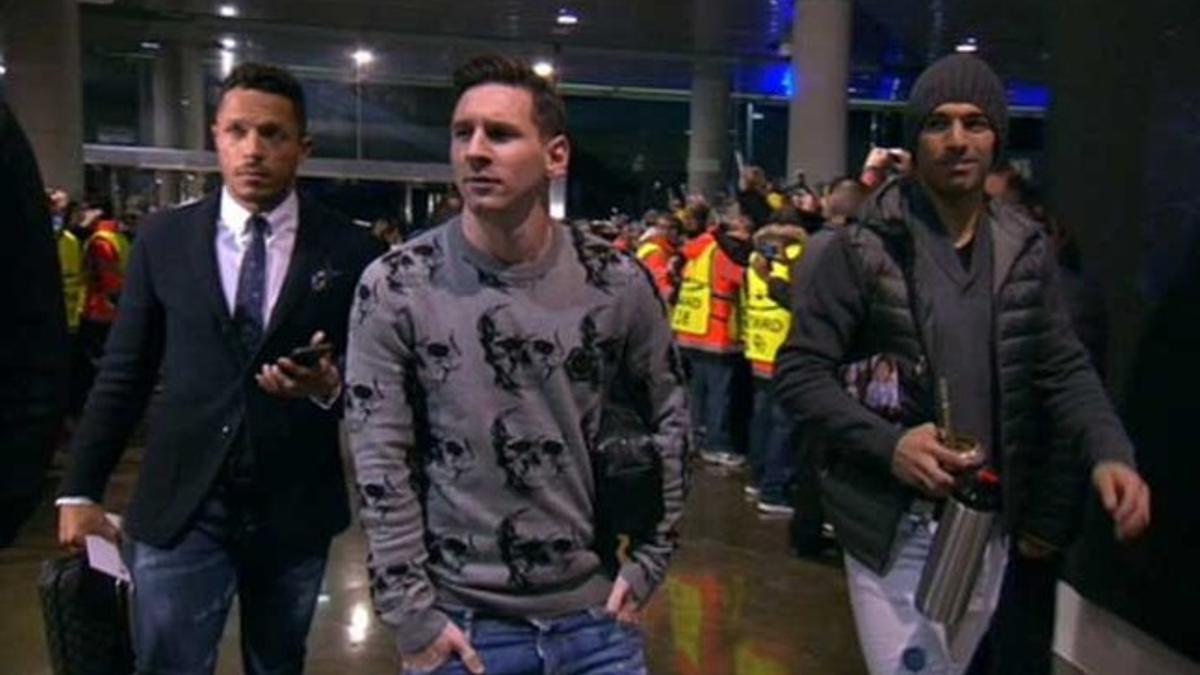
column 641, row 43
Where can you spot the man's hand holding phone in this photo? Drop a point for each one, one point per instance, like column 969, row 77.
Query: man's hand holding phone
column 307, row 372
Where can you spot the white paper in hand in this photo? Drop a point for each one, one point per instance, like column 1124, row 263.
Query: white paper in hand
column 103, row 555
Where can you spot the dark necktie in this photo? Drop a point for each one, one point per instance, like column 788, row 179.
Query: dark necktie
column 252, row 285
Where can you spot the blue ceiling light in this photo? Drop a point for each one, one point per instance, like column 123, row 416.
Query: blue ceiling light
column 567, row 18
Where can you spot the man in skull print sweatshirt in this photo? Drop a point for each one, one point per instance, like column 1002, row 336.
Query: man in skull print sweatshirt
column 475, row 390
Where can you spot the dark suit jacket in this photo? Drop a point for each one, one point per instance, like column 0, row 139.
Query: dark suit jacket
column 173, row 323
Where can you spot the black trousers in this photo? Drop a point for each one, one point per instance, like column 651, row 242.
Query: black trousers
column 1021, row 637
column 805, row 528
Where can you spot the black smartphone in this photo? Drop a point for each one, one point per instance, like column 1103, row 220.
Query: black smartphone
column 309, row 355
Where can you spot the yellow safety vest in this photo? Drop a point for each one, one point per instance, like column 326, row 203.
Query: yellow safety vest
column 767, row 323
column 70, row 263
column 694, row 304
column 648, row 249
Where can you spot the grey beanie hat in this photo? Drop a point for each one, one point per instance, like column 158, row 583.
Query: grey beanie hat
column 957, row 78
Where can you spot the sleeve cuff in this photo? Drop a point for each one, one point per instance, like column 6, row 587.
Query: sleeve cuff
column 417, row 631
column 639, row 583
column 883, row 444
column 72, row 500
column 328, row 402
column 1114, row 453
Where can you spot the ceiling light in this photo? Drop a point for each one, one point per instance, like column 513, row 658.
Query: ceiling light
column 968, row 46
column 567, row 18
column 227, row 10
column 362, row 57
column 228, row 43
column 543, row 69
column 3, row 70
column 227, row 59
column 150, row 44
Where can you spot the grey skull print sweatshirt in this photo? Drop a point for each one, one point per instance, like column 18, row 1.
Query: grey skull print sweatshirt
column 474, row 393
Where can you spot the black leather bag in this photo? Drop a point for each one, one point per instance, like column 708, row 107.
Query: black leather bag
column 628, row 472
column 86, row 614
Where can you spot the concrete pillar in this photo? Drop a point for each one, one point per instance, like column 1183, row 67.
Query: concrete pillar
column 166, row 96
column 817, row 118
column 176, row 118
column 44, row 85
column 192, row 97
column 708, row 146
column 709, row 149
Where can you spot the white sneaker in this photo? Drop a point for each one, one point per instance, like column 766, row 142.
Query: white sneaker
column 751, row 491
column 711, row 456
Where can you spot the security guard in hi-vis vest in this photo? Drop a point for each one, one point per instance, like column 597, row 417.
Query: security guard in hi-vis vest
column 766, row 321
column 70, row 263
column 657, row 248
column 705, row 319
column 105, row 254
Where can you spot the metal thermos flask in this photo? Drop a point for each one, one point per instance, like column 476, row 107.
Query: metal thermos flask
column 964, row 529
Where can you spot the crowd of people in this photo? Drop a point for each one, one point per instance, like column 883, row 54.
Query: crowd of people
column 804, row 337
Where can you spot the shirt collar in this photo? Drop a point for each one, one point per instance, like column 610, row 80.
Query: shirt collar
column 282, row 218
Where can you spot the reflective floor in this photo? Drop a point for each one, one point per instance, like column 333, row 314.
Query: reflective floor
column 736, row 602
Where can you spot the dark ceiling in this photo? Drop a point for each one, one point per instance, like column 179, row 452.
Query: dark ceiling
column 632, row 43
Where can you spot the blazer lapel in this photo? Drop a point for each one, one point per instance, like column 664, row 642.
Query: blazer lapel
column 306, row 258
column 204, row 257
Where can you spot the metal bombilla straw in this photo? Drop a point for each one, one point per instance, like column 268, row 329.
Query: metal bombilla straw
column 945, row 430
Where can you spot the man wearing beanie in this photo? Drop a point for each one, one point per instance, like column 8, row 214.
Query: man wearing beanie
column 950, row 288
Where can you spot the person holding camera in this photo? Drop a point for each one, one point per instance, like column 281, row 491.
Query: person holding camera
column 948, row 286
column 482, row 355
column 884, row 163
column 241, row 485
column 766, row 309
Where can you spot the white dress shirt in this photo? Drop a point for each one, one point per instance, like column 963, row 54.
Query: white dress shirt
column 234, row 236
column 232, row 240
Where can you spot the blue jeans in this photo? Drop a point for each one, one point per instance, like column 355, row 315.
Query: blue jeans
column 772, row 445
column 590, row 642
column 182, row 596
column 710, row 392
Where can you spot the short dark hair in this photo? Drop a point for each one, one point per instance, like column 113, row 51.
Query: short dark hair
column 272, row 80
column 549, row 112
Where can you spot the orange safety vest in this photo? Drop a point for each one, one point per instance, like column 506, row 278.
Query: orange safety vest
column 705, row 315
column 103, row 284
column 656, row 256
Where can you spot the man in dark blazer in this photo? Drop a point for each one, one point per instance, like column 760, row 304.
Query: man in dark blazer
column 241, row 486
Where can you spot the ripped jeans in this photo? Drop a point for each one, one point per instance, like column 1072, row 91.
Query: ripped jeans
column 182, row 596
column 896, row 639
